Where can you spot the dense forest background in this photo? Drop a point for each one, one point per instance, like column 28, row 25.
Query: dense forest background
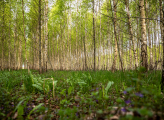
column 81, row 34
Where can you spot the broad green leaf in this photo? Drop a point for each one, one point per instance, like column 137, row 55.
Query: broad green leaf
column 35, row 108
column 110, row 83
column 19, row 104
column 20, row 110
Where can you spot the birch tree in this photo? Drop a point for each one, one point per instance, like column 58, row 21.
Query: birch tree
column 143, row 35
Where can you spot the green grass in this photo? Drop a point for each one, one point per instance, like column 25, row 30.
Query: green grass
column 70, row 95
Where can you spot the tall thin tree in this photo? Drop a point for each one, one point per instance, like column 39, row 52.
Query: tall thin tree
column 115, row 35
column 39, row 20
column 46, row 35
column 94, row 42
column 131, row 31
column 144, row 62
column 3, row 26
column 26, row 63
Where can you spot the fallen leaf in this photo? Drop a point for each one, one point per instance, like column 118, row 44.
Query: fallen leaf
column 129, row 113
column 15, row 115
column 114, row 118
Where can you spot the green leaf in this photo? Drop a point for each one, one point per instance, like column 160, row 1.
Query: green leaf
column 110, row 83
column 2, row 114
column 19, row 104
column 70, row 90
column 55, row 83
column 37, row 87
column 135, row 79
column 100, row 112
column 20, row 110
column 129, row 89
column 38, row 99
column 119, row 100
column 145, row 111
column 63, row 92
column 95, row 93
column 35, row 108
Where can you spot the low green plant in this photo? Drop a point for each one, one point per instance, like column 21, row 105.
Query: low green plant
column 68, row 113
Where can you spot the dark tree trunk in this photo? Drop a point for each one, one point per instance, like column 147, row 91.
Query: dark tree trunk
column 94, row 67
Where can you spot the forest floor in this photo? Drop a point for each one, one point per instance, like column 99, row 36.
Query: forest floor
column 84, row 95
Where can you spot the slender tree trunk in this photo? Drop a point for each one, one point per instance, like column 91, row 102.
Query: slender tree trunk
column 115, row 36
column 70, row 47
column 80, row 41
column 94, row 42
column 122, row 51
column 39, row 20
column 42, row 37
column 130, row 55
column 120, row 59
column 148, row 28
column 108, row 47
column 103, row 64
column 61, row 48
column 143, row 35
column 111, row 48
column 138, row 36
column 46, row 34
column 126, row 56
column 131, row 32
column 24, row 34
column 9, row 62
column 161, row 24
column 150, row 50
column 68, row 57
column 20, row 54
column 3, row 23
column 155, row 41
column 100, row 38
column 33, row 51
column 58, row 45
column 152, row 43
column 85, row 56
column 15, row 40
column 37, row 47
column 77, row 57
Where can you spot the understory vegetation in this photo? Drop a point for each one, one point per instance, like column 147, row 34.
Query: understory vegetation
column 85, row 95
